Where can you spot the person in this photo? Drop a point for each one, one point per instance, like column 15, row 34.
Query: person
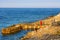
column 36, row 29
column 41, row 23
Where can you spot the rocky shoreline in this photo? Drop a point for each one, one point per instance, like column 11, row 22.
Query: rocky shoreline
column 45, row 37
column 50, row 28
column 49, row 31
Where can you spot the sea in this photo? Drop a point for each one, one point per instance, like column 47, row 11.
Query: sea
column 10, row 16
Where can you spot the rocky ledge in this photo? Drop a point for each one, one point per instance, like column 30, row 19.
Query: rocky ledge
column 49, row 31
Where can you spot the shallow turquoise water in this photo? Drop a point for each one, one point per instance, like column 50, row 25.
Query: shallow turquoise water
column 10, row 16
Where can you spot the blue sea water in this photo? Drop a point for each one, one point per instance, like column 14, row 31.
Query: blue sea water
column 10, row 16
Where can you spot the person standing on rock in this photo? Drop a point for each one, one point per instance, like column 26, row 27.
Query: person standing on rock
column 40, row 25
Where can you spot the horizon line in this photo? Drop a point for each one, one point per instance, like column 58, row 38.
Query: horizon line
column 29, row 7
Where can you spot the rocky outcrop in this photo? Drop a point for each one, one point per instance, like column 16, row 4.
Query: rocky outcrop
column 18, row 27
column 48, row 28
column 47, row 24
column 11, row 30
column 45, row 37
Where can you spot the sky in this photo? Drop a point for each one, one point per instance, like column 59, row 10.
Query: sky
column 29, row 3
